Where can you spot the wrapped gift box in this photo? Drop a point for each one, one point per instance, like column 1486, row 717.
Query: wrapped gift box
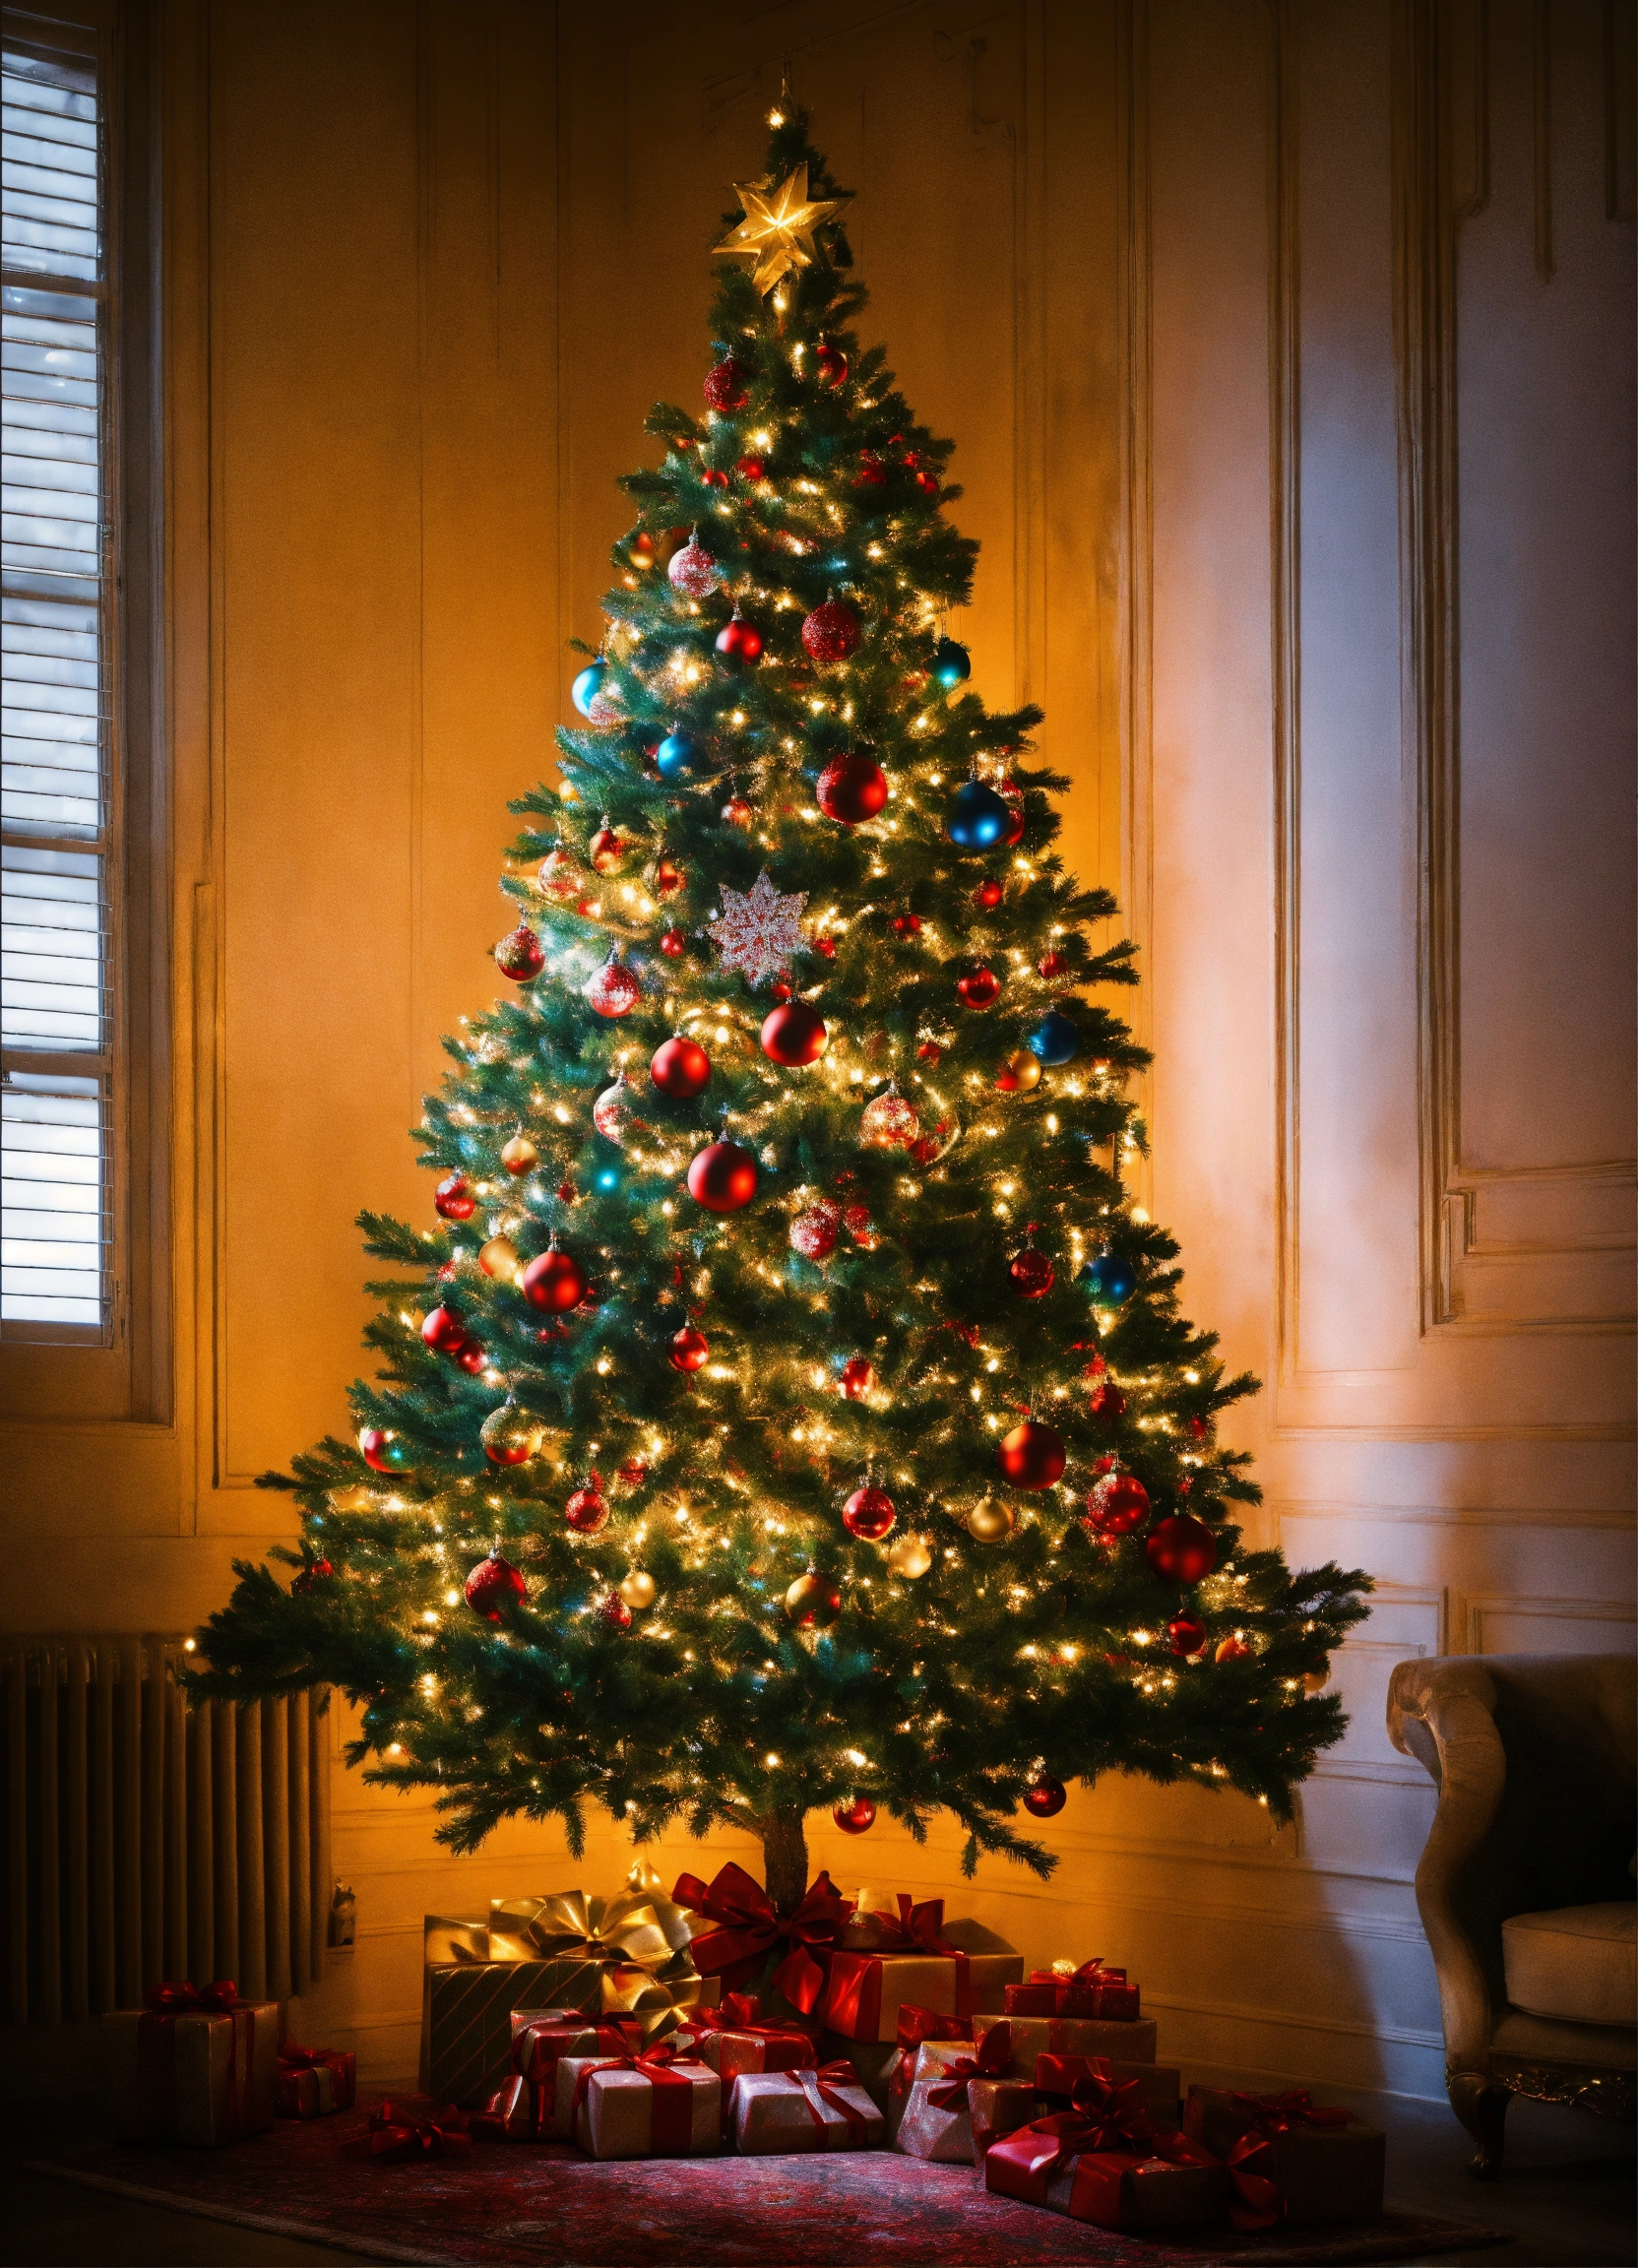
column 1090, row 1990
column 203, row 2075
column 937, row 2118
column 466, row 2024
column 734, row 2055
column 864, row 1991
column 997, row 2107
column 1160, row 2086
column 541, row 2038
column 1035, row 2035
column 628, row 2110
column 314, row 2081
column 1324, row 2165
column 1133, row 2190
column 779, row 2114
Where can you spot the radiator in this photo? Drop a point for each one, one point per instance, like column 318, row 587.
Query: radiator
column 149, row 1838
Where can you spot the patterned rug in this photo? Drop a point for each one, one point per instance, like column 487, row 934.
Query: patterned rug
column 545, row 2206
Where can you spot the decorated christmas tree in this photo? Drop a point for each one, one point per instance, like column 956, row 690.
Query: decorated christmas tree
column 790, row 1409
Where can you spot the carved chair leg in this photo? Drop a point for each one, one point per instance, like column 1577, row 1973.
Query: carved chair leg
column 1481, row 2107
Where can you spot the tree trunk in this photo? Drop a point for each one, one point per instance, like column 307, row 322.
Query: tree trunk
column 784, row 1857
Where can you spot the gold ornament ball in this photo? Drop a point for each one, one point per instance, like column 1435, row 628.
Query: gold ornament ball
column 520, row 1156
column 1019, row 1072
column 989, row 1522
column 911, row 1556
column 637, row 1589
column 500, row 1258
column 1315, row 1681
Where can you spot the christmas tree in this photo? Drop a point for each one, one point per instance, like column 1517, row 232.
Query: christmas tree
column 790, row 1409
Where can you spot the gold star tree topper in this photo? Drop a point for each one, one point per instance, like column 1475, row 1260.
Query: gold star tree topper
column 777, row 232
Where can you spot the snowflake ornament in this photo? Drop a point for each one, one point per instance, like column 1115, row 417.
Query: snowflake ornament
column 758, row 931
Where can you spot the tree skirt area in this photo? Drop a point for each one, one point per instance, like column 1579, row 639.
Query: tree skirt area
column 543, row 2205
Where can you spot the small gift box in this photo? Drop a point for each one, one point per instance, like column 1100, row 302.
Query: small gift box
column 196, row 2064
column 735, row 2041
column 526, row 2107
column 1103, row 2159
column 1032, row 2037
column 648, row 2106
column 1160, row 2086
column 937, row 2118
column 1064, row 1991
column 1291, row 2160
column 778, row 2114
column 314, row 2081
column 888, row 1958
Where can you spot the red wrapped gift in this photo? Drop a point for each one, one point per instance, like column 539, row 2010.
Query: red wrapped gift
column 936, row 2122
column 1292, row 2160
column 733, row 2040
column 1105, row 2161
column 314, row 2081
column 541, row 2038
column 1090, row 1990
column 779, row 2113
column 1160, row 2086
column 656, row 2105
column 914, row 1960
column 749, row 1934
column 399, row 2137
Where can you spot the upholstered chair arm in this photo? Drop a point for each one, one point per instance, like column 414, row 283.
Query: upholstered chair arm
column 1443, row 1713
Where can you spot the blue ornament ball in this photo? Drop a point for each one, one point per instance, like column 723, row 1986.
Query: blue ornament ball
column 977, row 819
column 952, row 664
column 1054, row 1039
column 1108, row 1279
column 681, row 756
column 587, row 685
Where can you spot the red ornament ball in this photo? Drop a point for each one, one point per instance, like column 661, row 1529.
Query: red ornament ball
column 613, row 990
column 926, row 481
column 444, row 1331
column 1031, row 1274
column 519, row 954
column 871, row 472
column 831, row 363
column 383, row 1452
column 781, row 986
column 493, row 1586
column 586, row 1509
column 887, row 1122
column 315, row 1571
column 615, row 1613
column 856, row 1818
column 850, row 788
column 454, row 1198
column 606, row 849
column 980, row 988
column 721, row 1177
column 813, row 1601
column 725, row 385
column 1013, row 801
column 688, row 1348
column 1046, row 1798
column 868, row 1514
column 680, row 1068
column 560, row 875
column 694, row 570
column 831, row 632
column 1182, row 1549
column 713, row 477
column 750, row 467
column 795, row 1034
column 857, row 1378
column 1187, row 1635
column 667, row 876
column 1053, row 965
column 739, row 641
column 907, row 924
column 554, row 1280
column 736, row 812
column 673, row 944
column 472, row 1358
column 855, row 1219
column 1108, row 1403
column 987, row 896
column 1031, row 1455
column 813, row 1231
column 1117, row 1504
column 827, row 946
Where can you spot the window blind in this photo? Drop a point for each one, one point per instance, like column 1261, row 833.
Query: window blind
column 55, row 804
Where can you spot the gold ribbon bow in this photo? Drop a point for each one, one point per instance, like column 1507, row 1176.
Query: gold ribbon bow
column 622, row 1956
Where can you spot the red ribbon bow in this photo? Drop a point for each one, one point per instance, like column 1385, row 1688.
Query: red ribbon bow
column 396, row 2136
column 994, row 2058
column 915, row 2025
column 822, row 2086
column 185, row 1999
column 1262, row 2201
column 1103, row 2115
column 748, row 1929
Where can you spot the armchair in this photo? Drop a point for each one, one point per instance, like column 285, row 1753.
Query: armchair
column 1525, row 1886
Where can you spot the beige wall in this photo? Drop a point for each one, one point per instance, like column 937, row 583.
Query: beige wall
column 1256, row 358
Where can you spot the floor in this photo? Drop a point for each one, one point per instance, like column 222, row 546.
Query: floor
column 1566, row 2198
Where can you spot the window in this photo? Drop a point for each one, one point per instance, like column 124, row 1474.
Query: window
column 58, row 800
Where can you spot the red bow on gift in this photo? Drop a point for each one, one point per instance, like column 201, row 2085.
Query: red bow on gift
column 916, row 1930
column 915, row 2025
column 1262, row 2201
column 1089, row 1974
column 822, row 2086
column 748, row 1929
column 295, row 2058
column 184, row 2000
column 398, row 2136
column 1103, row 2115
column 994, row 2058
